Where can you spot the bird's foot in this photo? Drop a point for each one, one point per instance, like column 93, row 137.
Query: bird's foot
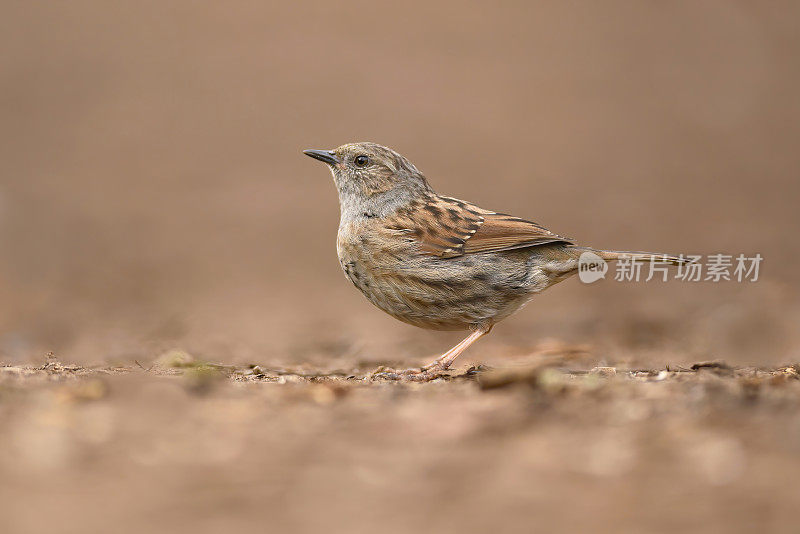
column 420, row 374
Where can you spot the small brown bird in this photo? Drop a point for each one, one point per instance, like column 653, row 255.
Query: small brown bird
column 435, row 261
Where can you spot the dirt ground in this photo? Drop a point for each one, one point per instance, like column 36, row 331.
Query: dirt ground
column 162, row 235
column 186, row 446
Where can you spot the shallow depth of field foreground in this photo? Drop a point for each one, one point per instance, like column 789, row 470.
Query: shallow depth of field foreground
column 188, row 445
column 180, row 351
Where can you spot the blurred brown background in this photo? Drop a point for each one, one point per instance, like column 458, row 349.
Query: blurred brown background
column 153, row 196
column 153, row 193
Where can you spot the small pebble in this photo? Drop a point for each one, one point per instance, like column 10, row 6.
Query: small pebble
column 604, row 371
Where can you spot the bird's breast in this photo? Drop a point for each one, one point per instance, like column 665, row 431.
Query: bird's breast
column 372, row 262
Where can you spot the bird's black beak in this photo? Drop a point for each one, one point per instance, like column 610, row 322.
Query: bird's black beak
column 323, row 155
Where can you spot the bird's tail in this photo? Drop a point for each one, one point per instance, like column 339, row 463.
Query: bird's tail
column 611, row 255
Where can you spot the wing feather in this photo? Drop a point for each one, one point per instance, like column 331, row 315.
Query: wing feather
column 448, row 227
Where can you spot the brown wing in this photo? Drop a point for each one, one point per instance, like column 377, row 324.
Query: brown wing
column 448, row 227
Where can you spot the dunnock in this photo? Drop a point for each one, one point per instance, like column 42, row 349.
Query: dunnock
column 438, row 262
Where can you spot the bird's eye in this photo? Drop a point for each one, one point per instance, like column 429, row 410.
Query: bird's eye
column 361, row 161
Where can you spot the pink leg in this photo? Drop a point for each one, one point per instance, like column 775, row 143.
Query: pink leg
column 445, row 360
column 433, row 370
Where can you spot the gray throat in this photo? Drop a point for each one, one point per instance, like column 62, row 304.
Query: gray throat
column 354, row 205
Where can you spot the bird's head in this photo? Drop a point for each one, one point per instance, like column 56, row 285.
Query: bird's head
column 368, row 174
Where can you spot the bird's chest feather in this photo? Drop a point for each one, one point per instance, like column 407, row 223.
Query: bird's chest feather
column 367, row 257
column 384, row 268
